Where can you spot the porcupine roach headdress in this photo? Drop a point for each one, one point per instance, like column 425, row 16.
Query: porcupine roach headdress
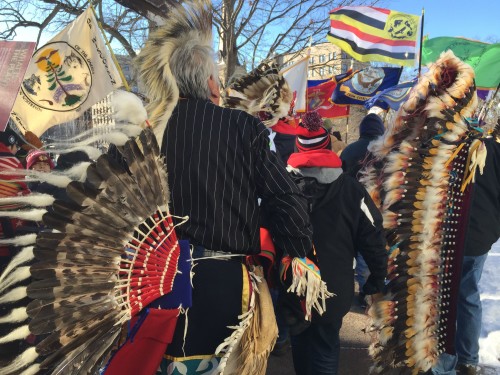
column 113, row 252
column 419, row 179
column 192, row 21
column 264, row 93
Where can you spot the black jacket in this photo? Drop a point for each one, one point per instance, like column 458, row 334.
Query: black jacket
column 219, row 163
column 285, row 145
column 340, row 214
column 484, row 216
column 354, row 154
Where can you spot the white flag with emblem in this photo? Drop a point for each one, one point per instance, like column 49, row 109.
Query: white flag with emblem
column 296, row 76
column 66, row 76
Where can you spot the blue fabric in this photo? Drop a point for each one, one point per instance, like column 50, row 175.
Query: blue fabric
column 445, row 365
column 181, row 294
column 391, row 97
column 371, row 126
column 469, row 312
column 316, row 350
column 361, row 272
column 359, row 86
column 469, row 316
column 282, row 327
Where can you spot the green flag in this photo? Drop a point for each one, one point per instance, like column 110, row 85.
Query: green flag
column 484, row 58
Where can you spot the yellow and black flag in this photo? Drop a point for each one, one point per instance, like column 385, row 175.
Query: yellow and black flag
column 375, row 34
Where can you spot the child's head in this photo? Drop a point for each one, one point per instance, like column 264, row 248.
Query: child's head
column 39, row 161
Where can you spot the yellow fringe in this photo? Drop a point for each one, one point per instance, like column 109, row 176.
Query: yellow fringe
column 260, row 336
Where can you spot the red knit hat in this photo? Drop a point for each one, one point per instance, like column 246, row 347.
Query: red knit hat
column 315, row 158
column 311, row 135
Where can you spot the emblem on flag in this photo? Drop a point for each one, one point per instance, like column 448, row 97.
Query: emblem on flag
column 357, row 87
column 60, row 78
column 318, row 99
column 402, row 26
column 65, row 77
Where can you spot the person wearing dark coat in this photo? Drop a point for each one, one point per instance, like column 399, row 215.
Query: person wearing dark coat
column 284, row 139
column 344, row 220
column 354, row 154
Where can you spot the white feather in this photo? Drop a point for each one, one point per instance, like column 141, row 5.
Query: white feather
column 24, row 240
column 32, row 370
column 78, row 172
column 92, row 152
column 159, row 130
column 25, row 255
column 35, row 214
column 130, row 130
column 112, row 136
column 33, row 199
column 22, row 273
column 17, row 315
column 53, row 178
column 128, row 108
column 16, row 334
column 20, row 362
column 15, row 294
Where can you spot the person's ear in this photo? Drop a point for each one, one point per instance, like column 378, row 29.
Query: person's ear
column 213, row 85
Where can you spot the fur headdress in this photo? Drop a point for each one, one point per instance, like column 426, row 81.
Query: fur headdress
column 264, row 93
column 190, row 21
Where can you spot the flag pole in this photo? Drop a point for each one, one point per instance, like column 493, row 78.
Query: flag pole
column 346, row 129
column 122, row 76
column 421, row 43
column 307, row 71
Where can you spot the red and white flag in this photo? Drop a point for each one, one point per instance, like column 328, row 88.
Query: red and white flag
column 296, row 76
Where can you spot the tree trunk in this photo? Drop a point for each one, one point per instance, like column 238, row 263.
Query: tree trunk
column 229, row 49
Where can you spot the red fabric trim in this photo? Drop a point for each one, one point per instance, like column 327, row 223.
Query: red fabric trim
column 142, row 354
column 284, row 128
column 315, row 158
column 4, row 148
column 266, row 242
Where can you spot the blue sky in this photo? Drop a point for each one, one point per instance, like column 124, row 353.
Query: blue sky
column 473, row 19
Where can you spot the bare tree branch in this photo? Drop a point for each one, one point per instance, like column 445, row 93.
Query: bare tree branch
column 248, row 30
column 257, row 29
column 123, row 26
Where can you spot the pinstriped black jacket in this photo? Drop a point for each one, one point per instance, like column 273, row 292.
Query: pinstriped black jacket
column 219, row 163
